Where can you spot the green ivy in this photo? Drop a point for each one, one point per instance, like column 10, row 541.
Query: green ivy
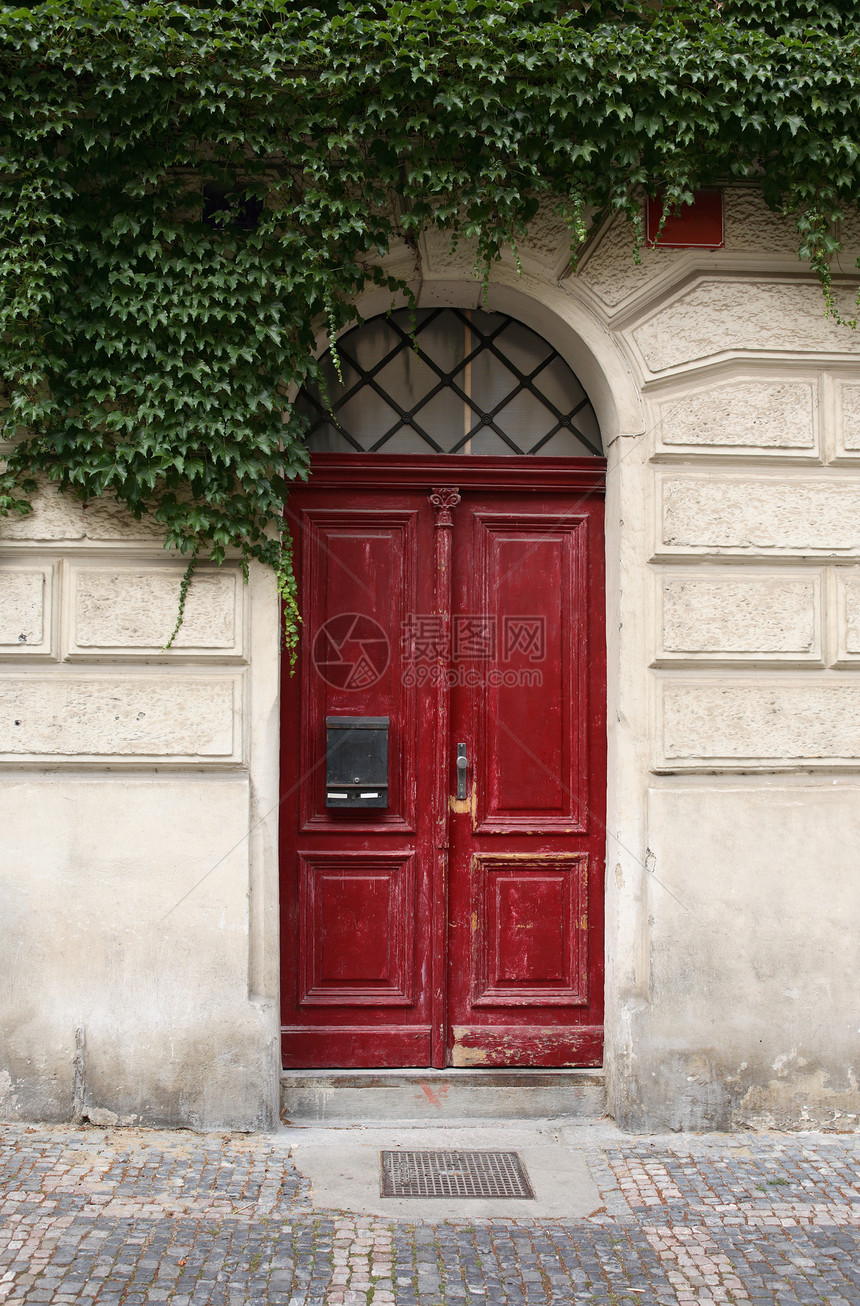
column 187, row 190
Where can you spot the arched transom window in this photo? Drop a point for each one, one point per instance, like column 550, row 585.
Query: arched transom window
column 466, row 382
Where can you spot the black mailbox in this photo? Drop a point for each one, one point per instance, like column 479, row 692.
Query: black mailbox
column 356, row 761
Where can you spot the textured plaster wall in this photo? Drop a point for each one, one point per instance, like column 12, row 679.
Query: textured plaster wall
column 754, row 1010
column 126, row 934
column 733, row 900
column 138, row 804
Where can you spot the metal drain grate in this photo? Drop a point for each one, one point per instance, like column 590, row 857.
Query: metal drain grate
column 453, row 1174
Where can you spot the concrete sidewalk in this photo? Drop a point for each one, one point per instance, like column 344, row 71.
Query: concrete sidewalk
column 131, row 1216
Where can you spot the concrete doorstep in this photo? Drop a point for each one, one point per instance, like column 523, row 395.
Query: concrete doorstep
column 311, row 1097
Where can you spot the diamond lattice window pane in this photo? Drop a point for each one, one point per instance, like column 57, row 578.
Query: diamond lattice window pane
column 526, row 350
column 338, row 386
column 445, row 416
column 369, row 343
column 467, row 381
column 408, row 379
column 488, row 382
column 585, row 423
column 407, row 440
column 526, row 420
column 559, row 385
column 367, row 417
column 446, row 340
column 486, row 323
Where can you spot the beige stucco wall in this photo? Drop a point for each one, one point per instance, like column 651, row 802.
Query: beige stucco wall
column 138, row 809
column 734, row 543
column 138, row 790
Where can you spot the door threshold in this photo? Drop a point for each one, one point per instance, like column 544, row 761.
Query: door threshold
column 421, row 1096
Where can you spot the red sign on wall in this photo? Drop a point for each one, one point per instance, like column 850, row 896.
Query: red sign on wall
column 698, row 225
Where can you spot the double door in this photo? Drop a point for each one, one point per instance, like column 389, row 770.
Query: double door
column 460, row 600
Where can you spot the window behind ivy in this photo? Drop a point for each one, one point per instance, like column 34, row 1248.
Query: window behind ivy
column 448, row 380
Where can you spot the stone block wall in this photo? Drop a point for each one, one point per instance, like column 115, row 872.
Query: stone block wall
column 138, row 804
column 734, row 910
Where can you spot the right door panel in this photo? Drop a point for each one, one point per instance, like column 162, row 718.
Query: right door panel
column 525, row 976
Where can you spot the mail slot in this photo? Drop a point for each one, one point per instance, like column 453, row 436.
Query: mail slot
column 356, row 761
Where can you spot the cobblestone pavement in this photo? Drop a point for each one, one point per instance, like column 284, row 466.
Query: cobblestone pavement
column 133, row 1216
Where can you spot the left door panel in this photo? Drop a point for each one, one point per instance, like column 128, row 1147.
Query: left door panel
column 356, row 880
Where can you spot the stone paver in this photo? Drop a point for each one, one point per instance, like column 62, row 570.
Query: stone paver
column 129, row 1217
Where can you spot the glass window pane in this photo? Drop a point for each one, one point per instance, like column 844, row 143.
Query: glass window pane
column 388, row 376
column 487, row 382
column 407, row 379
column 560, row 386
column 485, row 442
column 444, row 340
column 406, row 440
column 586, row 422
column 367, row 416
column 487, row 323
column 334, row 386
column 525, row 349
column 328, row 439
column 564, row 444
column 526, row 420
column 369, row 344
column 444, row 418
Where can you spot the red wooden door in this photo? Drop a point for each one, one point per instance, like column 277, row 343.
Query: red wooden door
column 462, row 598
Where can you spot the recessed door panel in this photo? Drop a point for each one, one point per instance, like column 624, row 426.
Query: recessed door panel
column 531, row 736
column 356, row 929
column 359, row 584
column 530, row 930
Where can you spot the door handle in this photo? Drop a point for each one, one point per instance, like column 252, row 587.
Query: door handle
column 462, row 765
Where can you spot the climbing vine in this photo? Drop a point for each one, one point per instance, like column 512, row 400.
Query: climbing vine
column 188, row 190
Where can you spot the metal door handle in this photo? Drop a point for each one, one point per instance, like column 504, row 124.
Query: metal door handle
column 462, row 764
